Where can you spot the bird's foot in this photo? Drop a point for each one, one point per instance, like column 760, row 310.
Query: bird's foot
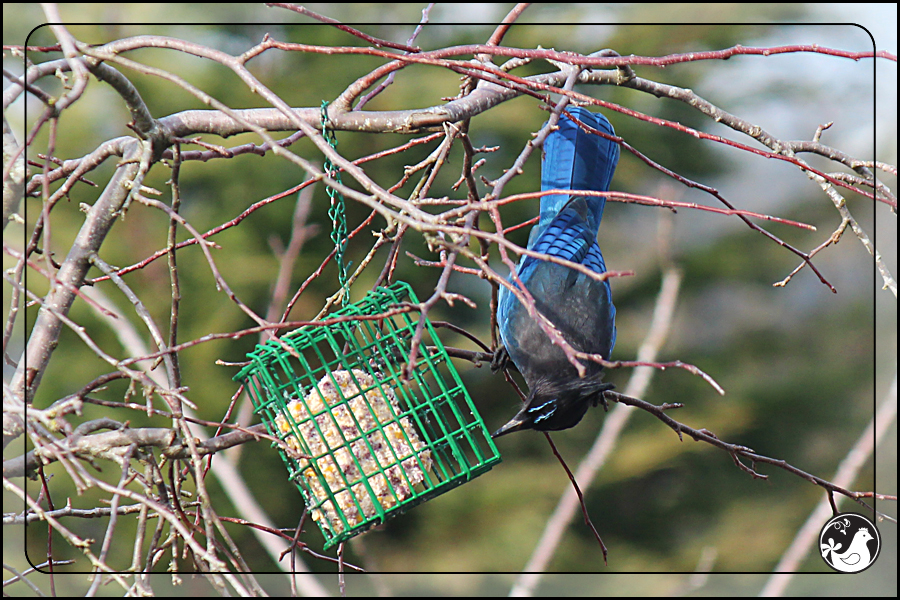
column 500, row 360
column 600, row 398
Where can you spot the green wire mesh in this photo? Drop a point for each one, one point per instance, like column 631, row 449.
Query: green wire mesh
column 363, row 443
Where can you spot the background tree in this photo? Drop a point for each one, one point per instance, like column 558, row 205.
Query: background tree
column 224, row 122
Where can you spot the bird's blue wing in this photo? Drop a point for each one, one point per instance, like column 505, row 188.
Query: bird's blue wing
column 568, row 236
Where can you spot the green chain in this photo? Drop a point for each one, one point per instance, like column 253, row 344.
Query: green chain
column 337, row 212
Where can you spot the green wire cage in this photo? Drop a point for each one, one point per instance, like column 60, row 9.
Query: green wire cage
column 364, row 443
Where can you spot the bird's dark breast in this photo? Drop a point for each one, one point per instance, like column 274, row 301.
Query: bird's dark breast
column 580, row 313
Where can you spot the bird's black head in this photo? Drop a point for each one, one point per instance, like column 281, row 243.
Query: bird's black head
column 553, row 404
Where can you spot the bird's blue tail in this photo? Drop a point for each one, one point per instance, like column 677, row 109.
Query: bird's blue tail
column 577, row 160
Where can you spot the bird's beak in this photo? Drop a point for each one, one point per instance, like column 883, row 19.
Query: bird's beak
column 517, row 423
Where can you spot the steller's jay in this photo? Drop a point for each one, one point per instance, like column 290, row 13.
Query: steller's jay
column 581, row 308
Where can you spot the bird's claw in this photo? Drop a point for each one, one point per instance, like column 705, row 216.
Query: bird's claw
column 500, row 360
column 601, row 399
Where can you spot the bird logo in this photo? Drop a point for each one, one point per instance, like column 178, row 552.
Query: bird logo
column 847, row 543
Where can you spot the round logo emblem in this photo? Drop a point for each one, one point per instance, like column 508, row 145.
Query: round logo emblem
column 849, row 543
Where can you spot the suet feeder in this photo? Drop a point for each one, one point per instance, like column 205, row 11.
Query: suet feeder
column 368, row 436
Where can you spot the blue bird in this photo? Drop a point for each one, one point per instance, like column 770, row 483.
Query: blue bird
column 581, row 308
